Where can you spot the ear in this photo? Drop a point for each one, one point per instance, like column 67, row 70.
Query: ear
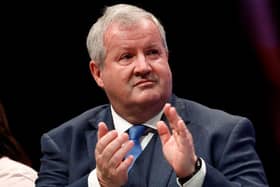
column 96, row 73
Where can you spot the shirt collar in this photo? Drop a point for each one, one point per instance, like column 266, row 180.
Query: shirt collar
column 121, row 125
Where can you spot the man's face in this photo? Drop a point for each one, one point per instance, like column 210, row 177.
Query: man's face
column 136, row 69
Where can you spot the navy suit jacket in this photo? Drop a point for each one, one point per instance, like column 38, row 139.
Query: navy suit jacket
column 225, row 142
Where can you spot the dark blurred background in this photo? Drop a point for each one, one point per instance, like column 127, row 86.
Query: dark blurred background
column 217, row 56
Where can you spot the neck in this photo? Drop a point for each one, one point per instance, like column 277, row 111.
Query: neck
column 139, row 114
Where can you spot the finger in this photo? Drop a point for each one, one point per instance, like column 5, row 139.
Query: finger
column 163, row 132
column 181, row 132
column 182, row 136
column 171, row 115
column 182, row 129
column 102, row 130
column 119, row 155
column 124, row 165
column 104, row 140
column 116, row 149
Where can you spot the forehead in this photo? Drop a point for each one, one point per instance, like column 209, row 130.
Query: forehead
column 139, row 30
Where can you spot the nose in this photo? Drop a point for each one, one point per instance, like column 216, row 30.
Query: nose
column 142, row 66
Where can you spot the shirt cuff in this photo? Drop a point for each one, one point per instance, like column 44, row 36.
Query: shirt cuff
column 198, row 179
column 92, row 179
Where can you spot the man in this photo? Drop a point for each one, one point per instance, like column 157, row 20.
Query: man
column 185, row 144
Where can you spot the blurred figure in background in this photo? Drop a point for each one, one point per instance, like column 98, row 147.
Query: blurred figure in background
column 261, row 24
column 15, row 166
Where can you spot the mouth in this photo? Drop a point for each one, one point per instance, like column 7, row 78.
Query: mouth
column 144, row 83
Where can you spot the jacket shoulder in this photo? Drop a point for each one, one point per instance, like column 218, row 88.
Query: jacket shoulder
column 82, row 121
column 207, row 117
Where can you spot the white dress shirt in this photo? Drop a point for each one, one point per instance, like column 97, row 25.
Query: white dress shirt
column 121, row 125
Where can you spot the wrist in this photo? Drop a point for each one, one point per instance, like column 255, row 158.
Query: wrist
column 197, row 167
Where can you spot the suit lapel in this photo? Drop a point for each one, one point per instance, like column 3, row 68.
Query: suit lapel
column 181, row 108
column 91, row 133
column 159, row 167
column 91, row 139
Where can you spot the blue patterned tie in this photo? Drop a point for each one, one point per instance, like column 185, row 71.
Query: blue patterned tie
column 135, row 132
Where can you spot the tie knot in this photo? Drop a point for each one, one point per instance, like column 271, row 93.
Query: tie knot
column 136, row 131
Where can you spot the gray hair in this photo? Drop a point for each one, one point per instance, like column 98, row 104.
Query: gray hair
column 122, row 13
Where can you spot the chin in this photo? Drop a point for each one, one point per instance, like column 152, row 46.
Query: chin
column 149, row 98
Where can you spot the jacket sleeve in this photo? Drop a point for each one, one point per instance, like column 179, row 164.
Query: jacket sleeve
column 54, row 166
column 239, row 164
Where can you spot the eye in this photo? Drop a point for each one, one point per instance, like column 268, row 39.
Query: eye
column 152, row 52
column 125, row 59
column 126, row 56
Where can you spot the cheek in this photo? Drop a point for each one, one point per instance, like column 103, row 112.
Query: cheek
column 165, row 73
column 166, row 79
column 116, row 78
